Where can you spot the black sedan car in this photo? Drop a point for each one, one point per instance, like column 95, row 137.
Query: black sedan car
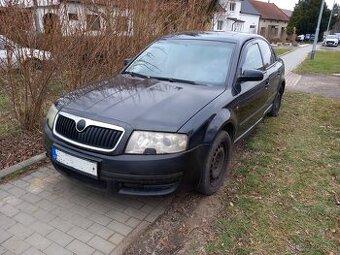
column 175, row 110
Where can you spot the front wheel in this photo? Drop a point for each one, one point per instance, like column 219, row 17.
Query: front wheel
column 217, row 163
column 274, row 112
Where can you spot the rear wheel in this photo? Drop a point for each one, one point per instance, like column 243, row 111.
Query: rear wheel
column 216, row 166
column 274, row 112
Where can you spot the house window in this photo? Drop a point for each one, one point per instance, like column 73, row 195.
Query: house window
column 252, row 26
column 232, row 7
column 93, row 22
column 72, row 16
column 219, row 24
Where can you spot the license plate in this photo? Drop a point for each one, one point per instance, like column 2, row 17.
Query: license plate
column 79, row 164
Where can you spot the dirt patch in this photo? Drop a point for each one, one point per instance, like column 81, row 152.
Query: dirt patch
column 187, row 225
column 17, row 148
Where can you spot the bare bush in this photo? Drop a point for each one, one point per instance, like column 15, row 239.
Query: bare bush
column 80, row 42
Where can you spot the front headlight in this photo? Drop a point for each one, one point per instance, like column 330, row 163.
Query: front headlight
column 52, row 112
column 143, row 142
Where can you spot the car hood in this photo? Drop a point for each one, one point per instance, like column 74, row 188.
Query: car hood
column 331, row 40
column 144, row 104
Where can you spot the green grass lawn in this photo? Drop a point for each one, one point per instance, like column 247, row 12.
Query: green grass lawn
column 283, row 197
column 280, row 51
column 325, row 62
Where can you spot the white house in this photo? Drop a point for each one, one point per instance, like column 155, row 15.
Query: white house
column 72, row 16
column 236, row 15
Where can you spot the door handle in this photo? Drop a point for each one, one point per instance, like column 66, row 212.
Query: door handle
column 267, row 85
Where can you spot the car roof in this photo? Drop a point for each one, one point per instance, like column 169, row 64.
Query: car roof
column 234, row 37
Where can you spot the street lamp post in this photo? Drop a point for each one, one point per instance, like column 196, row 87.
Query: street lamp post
column 317, row 30
column 330, row 18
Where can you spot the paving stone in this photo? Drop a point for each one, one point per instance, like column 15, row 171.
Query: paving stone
column 80, row 221
column 32, row 198
column 12, row 200
column 117, row 238
column 60, row 237
column 16, row 191
column 41, row 228
column 46, row 204
column 99, row 208
column 16, row 245
column 120, row 228
column 27, row 207
column 101, row 245
column 4, row 235
column 135, row 213
column 2, row 250
column 118, row 216
column 8, row 210
column 81, row 234
column 132, row 222
column 20, row 183
column 38, row 241
column 61, row 224
column 32, row 251
column 3, row 194
column 55, row 249
column 24, row 218
column 83, row 211
column 20, row 231
column 147, row 208
column 101, row 231
column 43, row 215
column 6, row 222
column 100, row 218
column 78, row 247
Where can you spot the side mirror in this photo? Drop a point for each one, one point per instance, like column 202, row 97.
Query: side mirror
column 251, row 75
column 127, row 61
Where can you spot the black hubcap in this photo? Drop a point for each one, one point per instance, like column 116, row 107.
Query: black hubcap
column 217, row 163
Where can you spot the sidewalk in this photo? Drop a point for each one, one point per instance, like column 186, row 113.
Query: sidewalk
column 45, row 213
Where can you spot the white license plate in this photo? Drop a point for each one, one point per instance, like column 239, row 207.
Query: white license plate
column 75, row 162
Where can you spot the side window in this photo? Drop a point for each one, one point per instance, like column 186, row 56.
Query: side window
column 253, row 59
column 267, row 54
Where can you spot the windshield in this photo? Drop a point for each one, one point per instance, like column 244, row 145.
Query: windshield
column 200, row 62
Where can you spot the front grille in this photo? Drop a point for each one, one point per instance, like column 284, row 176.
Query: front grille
column 94, row 136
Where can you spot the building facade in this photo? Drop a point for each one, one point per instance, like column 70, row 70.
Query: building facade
column 273, row 21
column 233, row 15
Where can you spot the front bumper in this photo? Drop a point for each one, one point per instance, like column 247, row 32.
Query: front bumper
column 130, row 174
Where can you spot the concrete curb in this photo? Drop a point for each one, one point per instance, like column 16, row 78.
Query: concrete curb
column 26, row 163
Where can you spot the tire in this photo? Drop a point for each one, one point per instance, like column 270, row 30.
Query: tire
column 274, row 112
column 216, row 165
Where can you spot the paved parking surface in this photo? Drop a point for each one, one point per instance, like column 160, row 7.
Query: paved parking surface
column 45, row 213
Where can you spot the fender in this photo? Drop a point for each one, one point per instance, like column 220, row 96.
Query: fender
column 222, row 120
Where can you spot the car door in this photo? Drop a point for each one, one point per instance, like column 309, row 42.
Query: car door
column 252, row 98
column 272, row 68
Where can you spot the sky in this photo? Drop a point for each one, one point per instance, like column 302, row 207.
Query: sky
column 289, row 4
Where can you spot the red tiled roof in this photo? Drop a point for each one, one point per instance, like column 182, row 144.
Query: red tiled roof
column 269, row 11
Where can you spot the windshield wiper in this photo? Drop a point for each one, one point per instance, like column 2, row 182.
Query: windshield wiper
column 133, row 74
column 173, row 80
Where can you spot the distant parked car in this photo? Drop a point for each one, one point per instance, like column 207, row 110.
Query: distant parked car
column 176, row 109
column 13, row 54
column 300, row 38
column 331, row 41
column 307, row 37
column 312, row 37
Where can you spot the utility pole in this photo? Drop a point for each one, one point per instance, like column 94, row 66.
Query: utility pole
column 317, row 30
column 330, row 18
